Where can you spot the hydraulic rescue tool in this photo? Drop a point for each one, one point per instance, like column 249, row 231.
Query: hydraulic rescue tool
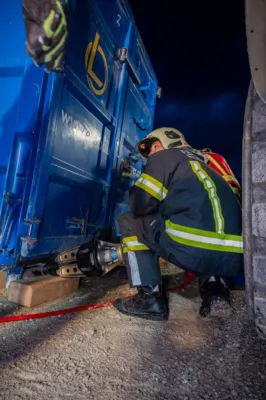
column 95, row 258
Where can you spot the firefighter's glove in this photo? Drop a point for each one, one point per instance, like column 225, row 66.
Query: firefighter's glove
column 46, row 31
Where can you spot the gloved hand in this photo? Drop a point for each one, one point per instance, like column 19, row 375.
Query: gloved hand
column 46, row 31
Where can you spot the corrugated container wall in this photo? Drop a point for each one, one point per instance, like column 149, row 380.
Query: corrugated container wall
column 67, row 140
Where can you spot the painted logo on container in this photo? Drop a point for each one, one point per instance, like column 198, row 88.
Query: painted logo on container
column 95, row 83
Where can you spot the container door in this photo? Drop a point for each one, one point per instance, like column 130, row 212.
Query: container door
column 71, row 195
column 137, row 122
column 24, row 91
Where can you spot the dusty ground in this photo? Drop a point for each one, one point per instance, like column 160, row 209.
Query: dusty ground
column 104, row 355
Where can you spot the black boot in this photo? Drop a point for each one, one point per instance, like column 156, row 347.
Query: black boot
column 215, row 298
column 147, row 304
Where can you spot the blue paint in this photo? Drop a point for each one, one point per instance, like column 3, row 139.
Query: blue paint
column 67, row 151
column 239, row 281
column 113, row 255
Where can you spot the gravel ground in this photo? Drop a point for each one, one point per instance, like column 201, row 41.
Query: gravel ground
column 104, row 355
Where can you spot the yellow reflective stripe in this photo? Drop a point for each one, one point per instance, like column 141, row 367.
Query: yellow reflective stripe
column 155, row 182
column 135, row 248
column 129, row 239
column 230, row 178
column 202, row 232
column 236, row 191
column 224, row 174
column 50, row 55
column 204, row 239
column 152, row 186
column 210, row 187
column 149, row 190
column 131, row 243
column 216, row 164
column 191, row 240
column 63, row 21
column 48, row 23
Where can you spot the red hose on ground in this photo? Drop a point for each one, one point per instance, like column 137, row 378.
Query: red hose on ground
column 14, row 318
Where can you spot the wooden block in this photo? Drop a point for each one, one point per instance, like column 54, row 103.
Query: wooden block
column 2, row 280
column 31, row 292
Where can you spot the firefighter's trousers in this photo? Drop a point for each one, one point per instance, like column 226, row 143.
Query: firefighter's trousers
column 141, row 259
column 142, row 250
column 144, row 240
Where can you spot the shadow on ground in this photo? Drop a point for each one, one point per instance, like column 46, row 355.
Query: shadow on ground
column 91, row 291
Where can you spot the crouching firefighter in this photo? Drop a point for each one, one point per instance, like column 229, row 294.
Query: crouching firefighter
column 186, row 213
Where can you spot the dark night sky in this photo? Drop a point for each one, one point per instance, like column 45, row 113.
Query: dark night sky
column 198, row 51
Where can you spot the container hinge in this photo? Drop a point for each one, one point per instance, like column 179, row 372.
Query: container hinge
column 122, row 55
column 159, row 93
column 33, row 227
column 27, row 244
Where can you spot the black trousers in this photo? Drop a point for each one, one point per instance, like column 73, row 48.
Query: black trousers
column 141, row 257
column 144, row 241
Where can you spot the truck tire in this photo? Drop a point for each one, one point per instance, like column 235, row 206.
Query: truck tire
column 254, row 208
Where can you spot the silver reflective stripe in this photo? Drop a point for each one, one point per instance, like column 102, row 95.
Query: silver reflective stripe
column 133, row 243
column 212, row 193
column 151, row 185
column 134, row 268
column 205, row 239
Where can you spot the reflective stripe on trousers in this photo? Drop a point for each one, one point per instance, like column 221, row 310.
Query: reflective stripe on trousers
column 142, row 263
column 204, row 239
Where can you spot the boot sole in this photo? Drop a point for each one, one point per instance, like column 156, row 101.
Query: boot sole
column 149, row 317
column 220, row 309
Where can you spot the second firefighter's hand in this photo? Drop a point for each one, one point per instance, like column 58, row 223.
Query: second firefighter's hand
column 46, row 31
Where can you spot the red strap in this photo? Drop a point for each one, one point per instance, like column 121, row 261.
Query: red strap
column 14, row 318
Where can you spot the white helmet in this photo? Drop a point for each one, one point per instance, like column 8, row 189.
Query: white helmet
column 169, row 137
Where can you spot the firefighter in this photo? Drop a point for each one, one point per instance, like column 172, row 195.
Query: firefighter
column 46, row 32
column 185, row 213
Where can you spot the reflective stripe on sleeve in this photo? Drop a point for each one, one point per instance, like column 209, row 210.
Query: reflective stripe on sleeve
column 152, row 186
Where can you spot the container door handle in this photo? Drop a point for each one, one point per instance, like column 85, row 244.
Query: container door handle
column 122, row 55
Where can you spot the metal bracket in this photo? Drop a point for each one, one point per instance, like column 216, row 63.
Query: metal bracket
column 122, row 55
column 69, row 271
column 67, row 256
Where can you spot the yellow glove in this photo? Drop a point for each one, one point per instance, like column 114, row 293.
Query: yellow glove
column 46, row 31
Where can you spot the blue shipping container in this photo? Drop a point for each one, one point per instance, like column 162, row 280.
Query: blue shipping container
column 67, row 140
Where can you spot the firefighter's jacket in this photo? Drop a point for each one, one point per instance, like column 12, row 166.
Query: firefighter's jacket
column 200, row 218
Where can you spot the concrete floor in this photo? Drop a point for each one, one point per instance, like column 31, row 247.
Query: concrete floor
column 104, row 355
